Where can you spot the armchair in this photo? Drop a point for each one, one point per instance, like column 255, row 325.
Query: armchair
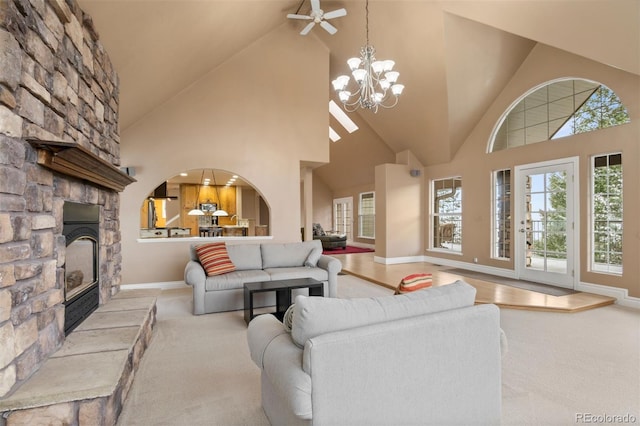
column 329, row 241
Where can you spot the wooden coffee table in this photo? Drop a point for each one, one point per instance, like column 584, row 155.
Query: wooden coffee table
column 283, row 294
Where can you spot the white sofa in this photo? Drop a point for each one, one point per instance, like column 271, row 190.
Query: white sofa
column 427, row 357
column 254, row 263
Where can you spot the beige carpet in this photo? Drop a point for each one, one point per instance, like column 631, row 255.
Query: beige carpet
column 197, row 370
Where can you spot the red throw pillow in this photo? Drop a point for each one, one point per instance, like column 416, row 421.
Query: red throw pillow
column 414, row 282
column 215, row 259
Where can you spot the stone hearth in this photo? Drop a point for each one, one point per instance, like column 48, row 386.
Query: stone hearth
column 87, row 380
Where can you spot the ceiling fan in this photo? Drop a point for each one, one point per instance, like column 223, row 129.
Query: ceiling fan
column 318, row 16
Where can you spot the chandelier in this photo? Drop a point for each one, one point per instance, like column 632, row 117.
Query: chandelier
column 220, row 211
column 376, row 81
column 197, row 211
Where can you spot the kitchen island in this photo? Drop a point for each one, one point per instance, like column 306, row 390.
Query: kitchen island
column 202, row 240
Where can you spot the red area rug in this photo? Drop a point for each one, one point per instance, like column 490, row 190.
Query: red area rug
column 347, row 250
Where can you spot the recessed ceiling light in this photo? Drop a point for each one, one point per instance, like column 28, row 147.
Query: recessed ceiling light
column 183, row 174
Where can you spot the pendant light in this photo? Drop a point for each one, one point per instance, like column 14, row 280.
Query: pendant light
column 220, row 211
column 196, row 210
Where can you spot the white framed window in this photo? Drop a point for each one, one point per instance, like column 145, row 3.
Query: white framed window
column 342, row 216
column 446, row 214
column 501, row 203
column 367, row 215
column 606, row 213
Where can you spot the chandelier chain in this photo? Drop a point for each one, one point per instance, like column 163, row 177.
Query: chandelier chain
column 366, row 6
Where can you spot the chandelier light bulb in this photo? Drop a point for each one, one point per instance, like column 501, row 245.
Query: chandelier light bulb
column 377, row 67
column 359, row 75
column 397, row 89
column 354, row 63
column 340, row 83
column 392, row 76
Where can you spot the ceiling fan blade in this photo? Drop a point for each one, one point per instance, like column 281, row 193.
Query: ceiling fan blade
column 294, row 16
column 315, row 5
column 335, row 13
column 327, row 26
column 306, row 29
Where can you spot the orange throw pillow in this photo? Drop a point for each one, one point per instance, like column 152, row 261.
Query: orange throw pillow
column 414, row 282
column 215, row 259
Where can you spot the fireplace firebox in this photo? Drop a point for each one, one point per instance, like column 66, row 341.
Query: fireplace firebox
column 82, row 233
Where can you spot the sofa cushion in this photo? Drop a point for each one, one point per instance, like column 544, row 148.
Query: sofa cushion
column 297, row 272
column 245, row 256
column 215, row 259
column 276, row 255
column 314, row 254
column 314, row 316
column 235, row 279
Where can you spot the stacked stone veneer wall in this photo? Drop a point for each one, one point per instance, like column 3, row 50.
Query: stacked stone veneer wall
column 56, row 83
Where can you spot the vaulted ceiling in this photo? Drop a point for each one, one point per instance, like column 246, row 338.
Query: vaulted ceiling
column 454, row 57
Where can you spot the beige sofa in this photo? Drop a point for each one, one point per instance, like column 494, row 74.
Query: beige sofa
column 259, row 262
column 421, row 358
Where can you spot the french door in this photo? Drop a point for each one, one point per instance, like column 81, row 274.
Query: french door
column 343, row 216
column 546, row 222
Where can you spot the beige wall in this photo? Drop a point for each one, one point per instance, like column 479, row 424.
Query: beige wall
column 258, row 115
column 475, row 165
column 399, row 212
column 322, row 203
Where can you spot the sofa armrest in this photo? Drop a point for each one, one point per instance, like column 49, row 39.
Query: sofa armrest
column 280, row 360
column 260, row 333
column 330, row 264
column 333, row 266
column 194, row 273
column 195, row 276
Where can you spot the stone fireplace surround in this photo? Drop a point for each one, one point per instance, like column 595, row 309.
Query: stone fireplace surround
column 58, row 84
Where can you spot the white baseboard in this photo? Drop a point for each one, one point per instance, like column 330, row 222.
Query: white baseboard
column 621, row 294
column 167, row 285
column 397, row 260
column 492, row 270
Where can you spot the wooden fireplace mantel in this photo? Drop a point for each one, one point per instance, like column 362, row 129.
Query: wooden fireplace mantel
column 72, row 159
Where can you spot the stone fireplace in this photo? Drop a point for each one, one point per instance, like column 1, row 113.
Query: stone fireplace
column 59, row 147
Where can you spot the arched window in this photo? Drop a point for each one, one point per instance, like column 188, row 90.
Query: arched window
column 558, row 109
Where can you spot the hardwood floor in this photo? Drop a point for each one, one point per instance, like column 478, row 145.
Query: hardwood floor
column 363, row 266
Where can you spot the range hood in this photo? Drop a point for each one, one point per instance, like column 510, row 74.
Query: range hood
column 162, row 192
